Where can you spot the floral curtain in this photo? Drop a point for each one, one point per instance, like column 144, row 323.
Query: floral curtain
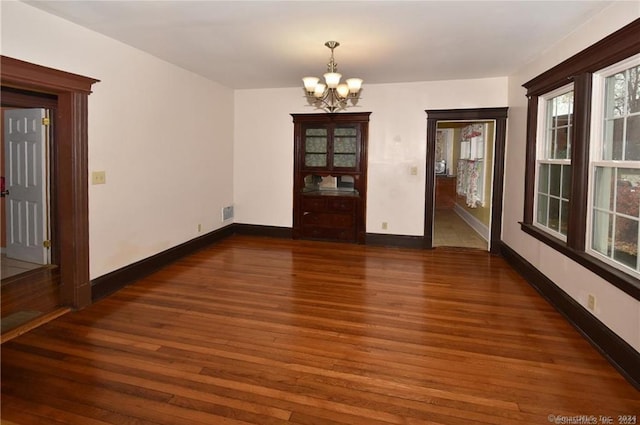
column 469, row 173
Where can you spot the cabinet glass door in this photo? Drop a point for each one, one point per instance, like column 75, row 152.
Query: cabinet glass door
column 345, row 147
column 315, row 147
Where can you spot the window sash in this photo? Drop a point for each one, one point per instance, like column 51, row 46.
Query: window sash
column 551, row 106
column 610, row 230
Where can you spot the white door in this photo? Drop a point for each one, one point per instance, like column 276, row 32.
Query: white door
column 25, row 153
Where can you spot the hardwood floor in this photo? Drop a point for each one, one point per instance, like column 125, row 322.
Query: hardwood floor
column 28, row 296
column 272, row 331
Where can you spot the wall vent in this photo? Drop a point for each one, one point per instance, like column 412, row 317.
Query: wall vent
column 227, row 213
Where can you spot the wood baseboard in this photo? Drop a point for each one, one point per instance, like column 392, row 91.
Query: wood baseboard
column 398, row 241
column 258, row 230
column 616, row 350
column 111, row 282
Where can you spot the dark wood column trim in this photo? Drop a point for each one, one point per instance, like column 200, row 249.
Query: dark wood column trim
column 430, row 182
column 71, row 168
column 530, row 158
column 580, row 161
column 74, row 225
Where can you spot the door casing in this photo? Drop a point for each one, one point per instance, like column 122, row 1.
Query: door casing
column 70, row 153
column 499, row 115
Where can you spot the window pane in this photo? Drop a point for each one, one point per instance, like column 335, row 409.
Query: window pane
column 559, row 119
column 344, row 160
column 345, row 131
column 315, row 145
column 604, row 188
column 626, row 247
column 543, row 178
column 554, row 214
column 628, row 192
column 344, row 145
column 564, row 217
column 315, row 160
column 615, row 91
column 602, row 232
column 554, row 179
column 566, row 181
column 551, row 143
column 561, row 148
column 316, row 132
column 632, row 151
column 634, row 95
column 613, row 136
column 541, row 216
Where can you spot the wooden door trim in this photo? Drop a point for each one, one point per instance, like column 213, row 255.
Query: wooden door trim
column 71, row 167
column 499, row 115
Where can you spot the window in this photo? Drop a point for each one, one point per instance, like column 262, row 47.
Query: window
column 553, row 165
column 582, row 178
column 615, row 165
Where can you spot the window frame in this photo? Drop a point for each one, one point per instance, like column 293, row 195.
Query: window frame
column 578, row 70
column 542, row 158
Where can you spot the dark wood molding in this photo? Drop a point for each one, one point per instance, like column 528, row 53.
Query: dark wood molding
column 70, row 167
column 499, row 115
column 617, row 351
column 259, row 230
column 111, row 282
column 618, row 46
column 579, row 162
column 499, row 153
column 70, row 155
column 430, row 182
column 19, row 98
column 395, row 241
column 467, row 114
column 26, row 75
column 530, row 159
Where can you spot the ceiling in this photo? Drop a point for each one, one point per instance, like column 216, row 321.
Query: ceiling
column 271, row 44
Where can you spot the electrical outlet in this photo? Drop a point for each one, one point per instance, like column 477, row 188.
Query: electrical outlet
column 384, row 225
column 98, row 177
column 199, row 227
column 591, row 302
column 414, row 171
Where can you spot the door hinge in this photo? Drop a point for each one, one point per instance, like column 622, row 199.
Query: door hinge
column 46, row 244
column 46, row 121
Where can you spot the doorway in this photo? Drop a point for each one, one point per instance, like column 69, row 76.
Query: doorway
column 30, row 284
column 469, row 186
column 28, row 85
column 464, row 159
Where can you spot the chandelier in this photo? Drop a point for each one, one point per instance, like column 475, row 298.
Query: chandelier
column 332, row 96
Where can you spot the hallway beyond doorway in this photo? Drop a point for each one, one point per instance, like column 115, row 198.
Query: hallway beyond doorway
column 452, row 231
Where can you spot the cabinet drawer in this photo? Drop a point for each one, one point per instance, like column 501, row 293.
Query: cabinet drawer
column 341, row 204
column 327, row 220
column 313, row 204
column 329, row 234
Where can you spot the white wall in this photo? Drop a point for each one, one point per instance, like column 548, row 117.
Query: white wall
column 163, row 135
column 616, row 309
column 263, row 148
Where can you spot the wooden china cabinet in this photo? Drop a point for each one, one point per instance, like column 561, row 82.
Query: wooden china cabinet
column 330, row 176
